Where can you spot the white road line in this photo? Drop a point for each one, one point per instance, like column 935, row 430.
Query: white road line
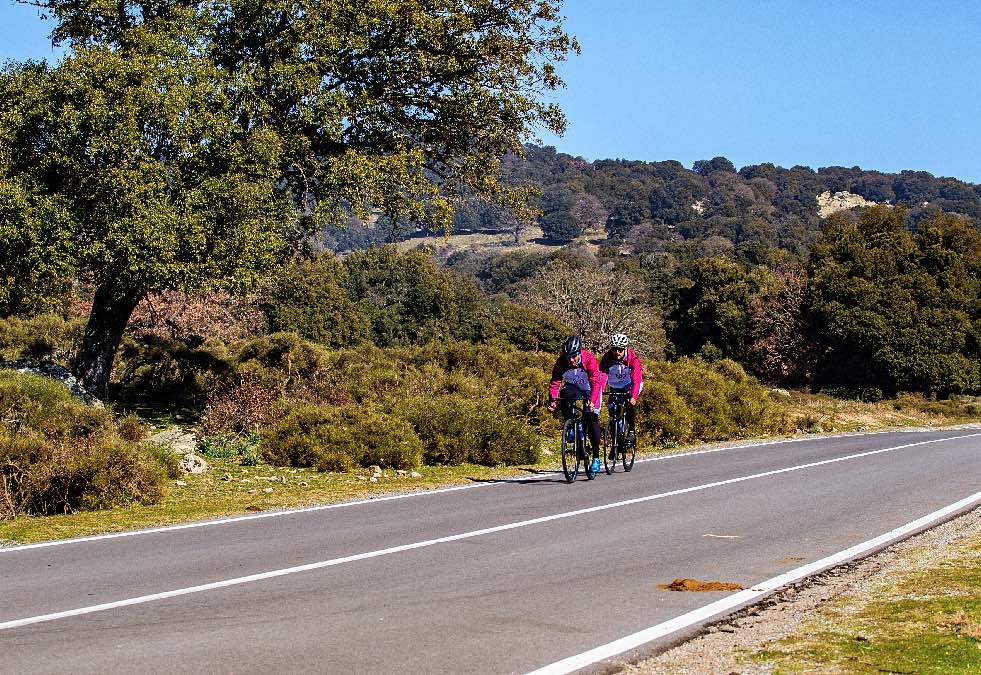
column 373, row 500
column 440, row 540
column 758, row 591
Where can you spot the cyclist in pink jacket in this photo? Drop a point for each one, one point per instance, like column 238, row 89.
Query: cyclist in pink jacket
column 576, row 375
column 623, row 372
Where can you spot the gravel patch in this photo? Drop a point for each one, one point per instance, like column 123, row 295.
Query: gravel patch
column 783, row 614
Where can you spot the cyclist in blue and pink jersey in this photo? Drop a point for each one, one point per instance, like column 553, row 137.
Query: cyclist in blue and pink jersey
column 622, row 371
column 576, row 375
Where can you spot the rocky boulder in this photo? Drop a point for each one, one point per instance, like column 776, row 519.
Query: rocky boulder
column 183, row 441
column 193, row 464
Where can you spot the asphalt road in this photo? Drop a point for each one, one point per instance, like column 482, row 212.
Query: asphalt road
column 500, row 577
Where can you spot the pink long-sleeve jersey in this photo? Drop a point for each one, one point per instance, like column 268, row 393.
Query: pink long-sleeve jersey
column 622, row 373
column 586, row 376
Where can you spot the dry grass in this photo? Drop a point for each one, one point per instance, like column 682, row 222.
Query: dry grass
column 818, row 413
column 531, row 240
column 922, row 617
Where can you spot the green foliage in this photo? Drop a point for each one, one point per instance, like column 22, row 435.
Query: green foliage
column 162, row 372
column 251, row 456
column 689, row 400
column 190, row 146
column 511, row 325
column 309, row 299
column 339, row 439
column 898, row 310
column 218, row 446
column 132, row 428
column 406, row 298
column 558, row 220
column 41, row 337
column 459, row 429
column 164, row 457
column 499, row 395
column 223, row 446
column 57, row 455
column 710, row 308
column 35, row 248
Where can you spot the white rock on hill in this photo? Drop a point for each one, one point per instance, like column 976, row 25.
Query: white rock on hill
column 182, row 441
column 839, row 201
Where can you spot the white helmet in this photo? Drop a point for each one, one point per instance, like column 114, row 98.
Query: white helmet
column 619, row 340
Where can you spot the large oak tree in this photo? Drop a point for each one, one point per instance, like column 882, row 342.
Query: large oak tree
column 191, row 144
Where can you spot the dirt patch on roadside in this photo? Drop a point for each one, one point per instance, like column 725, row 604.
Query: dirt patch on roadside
column 721, row 647
column 694, row 585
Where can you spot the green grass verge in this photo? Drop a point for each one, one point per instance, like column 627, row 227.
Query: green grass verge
column 255, row 488
column 926, row 619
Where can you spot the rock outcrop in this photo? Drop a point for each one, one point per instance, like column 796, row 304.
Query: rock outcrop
column 829, row 203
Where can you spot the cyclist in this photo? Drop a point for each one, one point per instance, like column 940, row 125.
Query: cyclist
column 622, row 371
column 576, row 375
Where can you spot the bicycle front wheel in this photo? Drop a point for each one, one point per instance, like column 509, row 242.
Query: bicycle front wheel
column 570, row 454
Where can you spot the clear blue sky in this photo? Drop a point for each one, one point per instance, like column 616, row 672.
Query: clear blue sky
column 886, row 85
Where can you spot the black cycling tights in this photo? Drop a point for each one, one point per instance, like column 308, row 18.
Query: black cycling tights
column 590, row 420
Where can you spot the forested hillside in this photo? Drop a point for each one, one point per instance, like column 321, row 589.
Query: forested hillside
column 853, row 281
column 644, row 207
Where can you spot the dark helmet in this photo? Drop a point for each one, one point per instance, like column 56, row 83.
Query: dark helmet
column 572, row 346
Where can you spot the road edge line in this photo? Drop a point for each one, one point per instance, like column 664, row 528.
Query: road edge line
column 758, row 591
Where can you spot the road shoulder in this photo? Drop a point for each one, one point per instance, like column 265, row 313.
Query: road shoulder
column 779, row 632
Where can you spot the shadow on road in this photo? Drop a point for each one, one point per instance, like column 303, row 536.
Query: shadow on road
column 536, row 476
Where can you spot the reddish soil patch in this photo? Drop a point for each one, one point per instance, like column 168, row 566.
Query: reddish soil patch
column 698, row 586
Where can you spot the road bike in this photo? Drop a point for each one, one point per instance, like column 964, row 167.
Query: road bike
column 616, row 445
column 576, row 452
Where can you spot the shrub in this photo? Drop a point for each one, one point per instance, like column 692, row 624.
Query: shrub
column 251, row 456
column 457, row 429
column 218, row 446
column 341, row 438
column 58, row 456
column 308, row 299
column 280, row 358
column 692, row 400
column 43, row 337
column 132, row 428
column 164, row 456
column 663, row 414
column 158, row 371
column 245, row 406
column 523, row 327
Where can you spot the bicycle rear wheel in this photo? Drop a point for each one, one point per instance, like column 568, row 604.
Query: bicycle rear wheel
column 585, row 451
column 611, row 447
column 629, row 452
column 570, row 453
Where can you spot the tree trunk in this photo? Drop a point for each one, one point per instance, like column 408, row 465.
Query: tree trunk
column 111, row 310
